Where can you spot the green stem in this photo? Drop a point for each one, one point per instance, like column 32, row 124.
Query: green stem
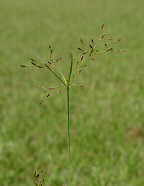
column 69, row 152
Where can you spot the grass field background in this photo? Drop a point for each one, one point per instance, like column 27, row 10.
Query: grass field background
column 107, row 115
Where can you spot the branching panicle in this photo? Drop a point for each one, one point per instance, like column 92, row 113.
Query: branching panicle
column 67, row 80
column 77, row 66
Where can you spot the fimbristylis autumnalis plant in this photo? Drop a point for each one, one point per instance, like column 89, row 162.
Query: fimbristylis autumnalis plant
column 87, row 53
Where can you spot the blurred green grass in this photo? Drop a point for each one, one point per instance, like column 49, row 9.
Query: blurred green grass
column 107, row 116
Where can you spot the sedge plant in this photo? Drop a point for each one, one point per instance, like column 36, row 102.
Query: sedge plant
column 87, row 52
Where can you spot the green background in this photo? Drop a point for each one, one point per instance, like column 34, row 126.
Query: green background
column 107, row 115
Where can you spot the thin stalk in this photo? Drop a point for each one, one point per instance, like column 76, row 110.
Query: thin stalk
column 60, row 73
column 69, row 151
column 55, row 74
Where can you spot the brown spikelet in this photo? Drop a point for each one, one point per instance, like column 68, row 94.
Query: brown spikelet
column 51, row 51
column 102, row 27
column 37, row 176
column 79, row 72
column 117, row 41
column 103, row 36
column 80, row 49
column 81, row 41
column 32, row 60
column 81, row 58
column 85, row 53
column 60, row 58
column 36, row 65
column 45, row 91
column 91, row 46
column 24, row 66
column 91, row 52
column 109, row 49
column 50, row 55
column 77, row 63
column 33, row 63
column 39, row 66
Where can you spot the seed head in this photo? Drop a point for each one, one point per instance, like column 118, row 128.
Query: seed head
column 80, row 49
